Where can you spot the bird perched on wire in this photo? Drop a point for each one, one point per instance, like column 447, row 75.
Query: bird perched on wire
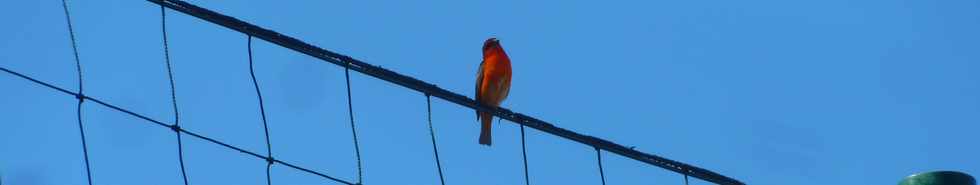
column 492, row 84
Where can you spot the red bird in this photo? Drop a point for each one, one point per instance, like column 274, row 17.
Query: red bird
column 492, row 84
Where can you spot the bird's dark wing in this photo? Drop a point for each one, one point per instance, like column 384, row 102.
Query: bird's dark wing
column 479, row 82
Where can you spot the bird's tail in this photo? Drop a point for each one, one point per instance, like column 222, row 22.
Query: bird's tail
column 486, row 119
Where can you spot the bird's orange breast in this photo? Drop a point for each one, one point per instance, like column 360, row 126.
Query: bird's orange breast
column 496, row 79
column 497, row 66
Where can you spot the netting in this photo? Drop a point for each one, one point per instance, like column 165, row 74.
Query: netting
column 251, row 31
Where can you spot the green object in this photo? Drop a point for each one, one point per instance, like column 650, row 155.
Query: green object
column 939, row 178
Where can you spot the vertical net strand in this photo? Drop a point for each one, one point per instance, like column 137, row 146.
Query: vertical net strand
column 527, row 180
column 432, row 133
column 350, row 112
column 173, row 94
column 79, row 96
column 270, row 160
column 602, row 174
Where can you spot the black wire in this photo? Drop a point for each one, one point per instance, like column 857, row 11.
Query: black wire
column 685, row 179
column 602, row 175
column 173, row 94
column 79, row 96
column 432, row 133
column 350, row 111
column 527, row 180
column 268, row 143
column 162, row 124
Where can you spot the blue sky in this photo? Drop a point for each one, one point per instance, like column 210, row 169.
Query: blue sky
column 767, row 92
